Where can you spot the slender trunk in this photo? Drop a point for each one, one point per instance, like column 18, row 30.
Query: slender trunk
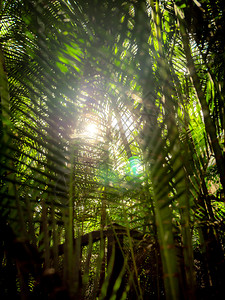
column 45, row 231
column 55, row 236
column 176, row 150
column 69, row 230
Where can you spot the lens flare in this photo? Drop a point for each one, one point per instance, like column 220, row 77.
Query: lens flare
column 135, row 165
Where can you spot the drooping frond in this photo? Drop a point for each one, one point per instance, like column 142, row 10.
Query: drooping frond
column 112, row 124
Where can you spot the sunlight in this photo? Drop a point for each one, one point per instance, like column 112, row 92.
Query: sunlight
column 91, row 130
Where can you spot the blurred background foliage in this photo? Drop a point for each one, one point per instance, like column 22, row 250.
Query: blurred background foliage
column 112, row 149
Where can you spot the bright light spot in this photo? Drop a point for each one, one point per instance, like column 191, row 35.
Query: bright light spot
column 87, row 131
column 135, row 165
column 91, row 130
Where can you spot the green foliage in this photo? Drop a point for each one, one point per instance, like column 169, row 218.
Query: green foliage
column 112, row 123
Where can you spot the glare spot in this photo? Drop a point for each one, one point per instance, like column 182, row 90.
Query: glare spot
column 91, row 130
column 135, row 165
column 87, row 131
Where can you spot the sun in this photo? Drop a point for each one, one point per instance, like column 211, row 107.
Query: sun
column 88, row 130
column 91, row 130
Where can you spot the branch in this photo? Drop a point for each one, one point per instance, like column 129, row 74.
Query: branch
column 97, row 235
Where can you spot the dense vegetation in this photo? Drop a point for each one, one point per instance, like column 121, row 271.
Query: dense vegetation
column 112, row 149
